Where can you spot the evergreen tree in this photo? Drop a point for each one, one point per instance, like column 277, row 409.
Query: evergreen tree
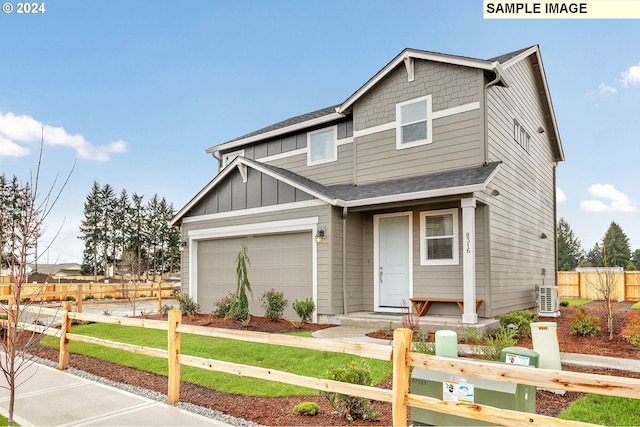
column 635, row 259
column 616, row 246
column 121, row 214
column 90, row 228
column 138, row 230
column 593, row 258
column 154, row 231
column 570, row 251
column 107, row 206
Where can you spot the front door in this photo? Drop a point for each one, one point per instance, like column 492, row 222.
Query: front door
column 393, row 261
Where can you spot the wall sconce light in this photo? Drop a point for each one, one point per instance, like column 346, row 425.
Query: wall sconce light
column 495, row 192
column 543, row 236
column 321, row 235
column 184, row 245
column 540, row 129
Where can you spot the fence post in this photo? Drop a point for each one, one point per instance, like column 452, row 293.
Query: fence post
column 401, row 346
column 173, row 393
column 159, row 307
column 63, row 362
column 79, row 298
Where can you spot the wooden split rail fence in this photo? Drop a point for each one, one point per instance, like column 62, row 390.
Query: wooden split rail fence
column 399, row 354
column 54, row 294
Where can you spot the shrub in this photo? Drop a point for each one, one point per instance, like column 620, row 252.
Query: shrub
column 274, row 304
column 351, row 407
column 306, row 408
column 187, row 305
column 583, row 324
column 564, row 303
column 90, row 297
column 143, row 295
column 70, row 298
column 222, row 307
column 631, row 330
column 421, row 343
column 519, row 321
column 164, row 310
column 492, row 345
column 304, row 309
column 108, row 296
column 241, row 314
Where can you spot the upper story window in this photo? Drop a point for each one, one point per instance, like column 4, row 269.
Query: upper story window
column 413, row 122
column 439, row 237
column 321, row 146
column 230, row 157
column 522, row 136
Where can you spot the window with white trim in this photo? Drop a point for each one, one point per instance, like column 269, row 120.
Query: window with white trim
column 230, row 157
column 521, row 136
column 439, row 237
column 413, row 122
column 321, row 146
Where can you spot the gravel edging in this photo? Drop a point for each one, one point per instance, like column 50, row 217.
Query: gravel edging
column 153, row 395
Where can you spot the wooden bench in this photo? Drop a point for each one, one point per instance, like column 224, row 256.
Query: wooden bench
column 421, row 305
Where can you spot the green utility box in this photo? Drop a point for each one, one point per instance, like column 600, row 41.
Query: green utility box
column 448, row 387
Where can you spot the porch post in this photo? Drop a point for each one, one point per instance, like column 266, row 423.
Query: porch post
column 469, row 260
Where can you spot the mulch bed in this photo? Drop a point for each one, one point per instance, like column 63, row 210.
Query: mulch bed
column 279, row 411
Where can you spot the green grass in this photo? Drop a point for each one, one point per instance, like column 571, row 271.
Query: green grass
column 4, row 421
column 299, row 361
column 604, row 410
column 573, row 302
column 636, row 306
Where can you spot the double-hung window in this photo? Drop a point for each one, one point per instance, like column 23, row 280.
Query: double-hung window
column 413, row 122
column 439, row 237
column 321, row 146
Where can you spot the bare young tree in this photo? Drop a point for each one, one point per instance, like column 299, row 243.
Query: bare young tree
column 605, row 286
column 22, row 220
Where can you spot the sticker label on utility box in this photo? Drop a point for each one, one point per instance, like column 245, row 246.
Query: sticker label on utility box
column 516, row 359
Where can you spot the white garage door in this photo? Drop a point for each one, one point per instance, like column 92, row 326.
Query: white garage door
column 279, row 261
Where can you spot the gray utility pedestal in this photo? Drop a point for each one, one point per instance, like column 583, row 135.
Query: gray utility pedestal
column 448, row 387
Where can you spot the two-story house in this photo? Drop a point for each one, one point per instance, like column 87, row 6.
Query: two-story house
column 434, row 179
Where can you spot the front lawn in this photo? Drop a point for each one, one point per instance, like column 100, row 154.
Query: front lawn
column 299, row 361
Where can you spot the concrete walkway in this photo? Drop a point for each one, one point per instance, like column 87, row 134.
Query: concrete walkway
column 49, row 397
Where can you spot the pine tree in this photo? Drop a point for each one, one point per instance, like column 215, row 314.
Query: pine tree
column 616, row 246
column 90, row 227
column 593, row 258
column 138, row 230
column 570, row 251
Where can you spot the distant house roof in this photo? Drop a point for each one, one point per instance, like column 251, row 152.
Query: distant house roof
column 67, row 269
column 454, row 182
column 324, row 115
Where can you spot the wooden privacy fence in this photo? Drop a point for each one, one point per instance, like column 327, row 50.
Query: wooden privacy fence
column 90, row 293
column 399, row 354
column 582, row 285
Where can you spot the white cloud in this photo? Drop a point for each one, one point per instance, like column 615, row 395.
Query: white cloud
column 604, row 90
column 560, row 196
column 631, row 76
column 19, row 133
column 619, row 202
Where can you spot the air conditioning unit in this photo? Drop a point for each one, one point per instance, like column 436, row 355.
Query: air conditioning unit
column 548, row 301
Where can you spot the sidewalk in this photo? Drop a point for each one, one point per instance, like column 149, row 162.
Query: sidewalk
column 49, row 397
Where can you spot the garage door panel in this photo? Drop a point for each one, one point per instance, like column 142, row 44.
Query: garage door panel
column 282, row 262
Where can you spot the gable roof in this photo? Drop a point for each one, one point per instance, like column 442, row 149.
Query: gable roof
column 54, row 269
column 328, row 114
column 455, row 182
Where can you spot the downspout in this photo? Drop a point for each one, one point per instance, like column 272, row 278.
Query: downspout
column 344, row 260
column 494, row 82
column 217, row 158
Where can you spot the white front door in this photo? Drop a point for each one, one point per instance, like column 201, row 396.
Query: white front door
column 392, row 275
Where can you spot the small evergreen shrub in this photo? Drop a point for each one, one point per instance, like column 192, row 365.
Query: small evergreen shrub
column 519, row 321
column 583, row 324
column 222, row 307
column 631, row 329
column 108, row 296
column 274, row 304
column 306, row 408
column 143, row 295
column 70, row 298
column 187, row 305
column 241, row 314
column 90, row 297
column 421, row 343
column 351, row 407
column 564, row 303
column 304, row 309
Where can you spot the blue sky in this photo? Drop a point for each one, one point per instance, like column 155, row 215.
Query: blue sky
column 137, row 90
